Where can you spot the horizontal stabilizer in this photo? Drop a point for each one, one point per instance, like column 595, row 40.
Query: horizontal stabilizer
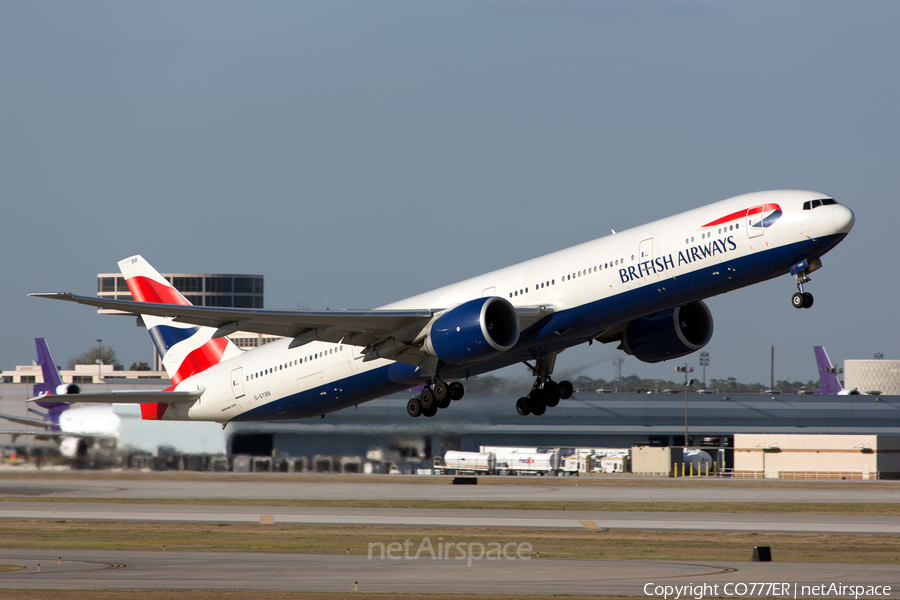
column 28, row 421
column 137, row 397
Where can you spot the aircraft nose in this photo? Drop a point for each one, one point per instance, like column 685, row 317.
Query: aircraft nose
column 843, row 218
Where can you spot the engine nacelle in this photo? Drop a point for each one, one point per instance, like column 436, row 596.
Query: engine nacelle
column 669, row 334
column 67, row 388
column 473, row 331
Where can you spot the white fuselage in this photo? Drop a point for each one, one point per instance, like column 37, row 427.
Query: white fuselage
column 649, row 268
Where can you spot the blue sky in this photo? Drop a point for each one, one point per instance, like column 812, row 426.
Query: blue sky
column 357, row 153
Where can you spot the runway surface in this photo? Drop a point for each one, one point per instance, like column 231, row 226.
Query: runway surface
column 542, row 490
column 552, row 519
column 243, row 571
column 305, row 572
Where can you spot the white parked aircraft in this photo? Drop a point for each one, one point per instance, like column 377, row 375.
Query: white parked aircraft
column 642, row 287
column 79, row 427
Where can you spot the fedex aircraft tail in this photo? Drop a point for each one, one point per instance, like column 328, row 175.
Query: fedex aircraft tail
column 184, row 349
column 53, row 384
column 827, row 376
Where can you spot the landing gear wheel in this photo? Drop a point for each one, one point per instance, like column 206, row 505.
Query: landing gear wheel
column 565, row 390
column 538, row 401
column 440, row 392
column 456, row 390
column 413, row 407
column 807, row 300
column 523, row 407
column 430, row 412
column 797, row 300
column 426, row 399
column 445, row 403
column 551, row 393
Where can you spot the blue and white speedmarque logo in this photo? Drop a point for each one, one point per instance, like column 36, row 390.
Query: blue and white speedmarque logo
column 684, row 257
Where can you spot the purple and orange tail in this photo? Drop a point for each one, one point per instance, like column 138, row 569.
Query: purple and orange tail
column 827, row 378
column 52, row 385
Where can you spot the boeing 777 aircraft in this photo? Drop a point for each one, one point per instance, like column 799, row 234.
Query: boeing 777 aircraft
column 643, row 288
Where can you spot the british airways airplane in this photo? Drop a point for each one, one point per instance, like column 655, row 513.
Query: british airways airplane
column 643, row 288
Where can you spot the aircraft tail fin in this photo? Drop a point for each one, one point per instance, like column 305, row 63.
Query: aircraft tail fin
column 184, row 349
column 827, row 377
column 52, row 381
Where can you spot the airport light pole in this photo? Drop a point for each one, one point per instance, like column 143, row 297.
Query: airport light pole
column 704, row 362
column 99, row 360
column 685, row 369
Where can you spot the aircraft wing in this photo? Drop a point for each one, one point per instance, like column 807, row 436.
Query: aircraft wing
column 383, row 333
column 28, row 421
column 132, row 397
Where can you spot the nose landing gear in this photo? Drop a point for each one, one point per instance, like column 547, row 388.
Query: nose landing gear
column 801, row 270
column 802, row 300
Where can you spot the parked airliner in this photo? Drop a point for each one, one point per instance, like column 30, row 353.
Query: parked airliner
column 643, row 288
column 828, row 378
column 75, row 428
column 80, row 428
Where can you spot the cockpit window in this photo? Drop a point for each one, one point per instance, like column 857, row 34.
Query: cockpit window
column 811, row 204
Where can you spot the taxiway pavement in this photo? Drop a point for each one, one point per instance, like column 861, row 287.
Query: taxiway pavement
column 548, row 519
column 309, row 572
column 543, row 489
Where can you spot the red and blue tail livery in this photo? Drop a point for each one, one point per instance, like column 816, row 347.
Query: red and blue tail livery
column 643, row 288
column 184, row 349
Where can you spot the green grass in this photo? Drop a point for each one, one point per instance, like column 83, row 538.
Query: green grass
column 562, row 544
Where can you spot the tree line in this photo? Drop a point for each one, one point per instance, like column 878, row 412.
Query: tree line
column 491, row 384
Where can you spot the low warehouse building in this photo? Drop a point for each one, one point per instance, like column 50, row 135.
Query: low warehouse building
column 799, row 456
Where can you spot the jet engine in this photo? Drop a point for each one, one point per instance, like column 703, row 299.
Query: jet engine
column 473, row 331
column 67, row 388
column 669, row 334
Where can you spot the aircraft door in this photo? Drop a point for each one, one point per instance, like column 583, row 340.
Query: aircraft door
column 237, row 382
column 646, row 251
column 755, row 221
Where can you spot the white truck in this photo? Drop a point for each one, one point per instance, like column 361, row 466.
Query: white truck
column 527, row 463
column 456, row 462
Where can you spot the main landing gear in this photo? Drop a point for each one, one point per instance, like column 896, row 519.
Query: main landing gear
column 546, row 392
column 436, row 394
column 543, row 396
